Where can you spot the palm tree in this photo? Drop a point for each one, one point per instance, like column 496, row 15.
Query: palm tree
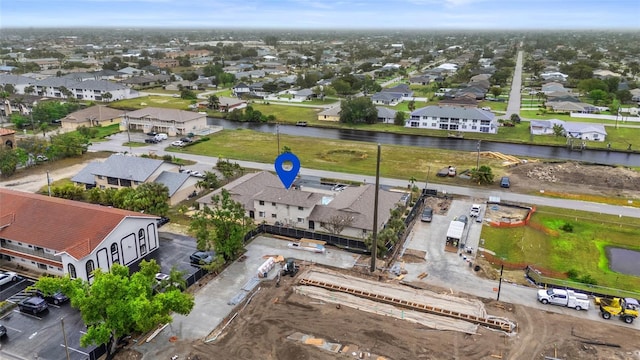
column 107, row 96
column 214, row 102
column 30, row 89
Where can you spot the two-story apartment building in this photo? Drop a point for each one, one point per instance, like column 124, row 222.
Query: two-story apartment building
column 119, row 171
column 63, row 237
column 453, row 118
column 171, row 121
column 266, row 201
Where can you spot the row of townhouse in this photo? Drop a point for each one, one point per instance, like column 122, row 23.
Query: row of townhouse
column 78, row 87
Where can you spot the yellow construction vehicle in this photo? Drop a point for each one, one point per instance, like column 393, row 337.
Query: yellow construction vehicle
column 625, row 308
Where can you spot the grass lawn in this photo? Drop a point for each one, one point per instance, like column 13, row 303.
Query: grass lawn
column 225, row 93
column 288, row 114
column 160, row 90
column 342, row 156
column 582, row 250
column 104, row 131
column 153, row 101
column 494, row 105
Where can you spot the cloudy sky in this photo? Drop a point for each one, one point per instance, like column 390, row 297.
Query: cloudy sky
column 324, row 14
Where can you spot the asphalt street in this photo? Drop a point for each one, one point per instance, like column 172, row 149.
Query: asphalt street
column 207, row 163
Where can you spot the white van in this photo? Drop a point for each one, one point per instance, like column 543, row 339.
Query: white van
column 161, row 136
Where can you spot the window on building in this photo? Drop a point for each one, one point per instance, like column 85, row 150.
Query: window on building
column 115, row 254
column 102, row 187
column 42, row 266
column 125, row 182
column 300, row 208
column 90, row 267
column 142, row 240
column 72, row 271
column 261, row 214
column 112, row 181
column 444, row 126
column 274, row 216
column 261, row 202
column 300, row 220
column 273, row 204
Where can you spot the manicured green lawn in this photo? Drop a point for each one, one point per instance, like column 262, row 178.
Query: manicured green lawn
column 560, row 251
column 494, row 105
column 288, row 114
column 104, row 131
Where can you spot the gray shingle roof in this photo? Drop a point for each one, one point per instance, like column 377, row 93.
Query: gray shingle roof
column 385, row 113
column 164, row 114
column 332, row 111
column 128, row 167
column 96, row 113
column 461, row 112
column 244, row 188
column 16, row 79
column 386, row 96
column 172, row 180
column 85, row 176
column 102, row 85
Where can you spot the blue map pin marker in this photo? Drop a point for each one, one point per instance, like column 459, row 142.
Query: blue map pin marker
column 287, row 176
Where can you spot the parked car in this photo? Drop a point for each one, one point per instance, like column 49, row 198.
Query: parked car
column 196, row 174
column 163, row 220
column 202, row 257
column 505, row 182
column 338, row 187
column 427, row 214
column 463, row 218
column 186, row 140
column 56, row 298
column 151, row 140
column 8, row 277
column 178, row 143
column 161, row 136
column 41, row 158
column 3, row 331
column 152, row 133
column 34, row 305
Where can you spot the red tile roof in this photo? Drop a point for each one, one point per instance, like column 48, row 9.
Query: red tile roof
column 5, row 131
column 58, row 224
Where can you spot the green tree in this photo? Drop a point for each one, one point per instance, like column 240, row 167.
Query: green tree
column 69, row 144
column 228, row 169
column 118, row 303
column 222, row 226
column 495, row 91
column 214, row 102
column 482, row 175
column 358, row 110
column 152, row 198
column 209, row 181
column 20, row 121
column 8, row 161
column 411, row 105
column 400, row 118
column 107, row 96
column 68, row 191
column 188, row 94
column 597, row 96
column 558, row 130
column 624, row 96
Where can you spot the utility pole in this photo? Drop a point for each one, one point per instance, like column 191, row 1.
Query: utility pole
column 500, row 283
column 278, row 137
column 374, row 242
column 64, row 335
column 49, row 183
column 478, row 157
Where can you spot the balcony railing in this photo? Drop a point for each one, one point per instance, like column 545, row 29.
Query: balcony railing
column 38, row 253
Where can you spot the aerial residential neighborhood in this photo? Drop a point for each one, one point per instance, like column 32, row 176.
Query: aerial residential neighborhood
column 273, row 180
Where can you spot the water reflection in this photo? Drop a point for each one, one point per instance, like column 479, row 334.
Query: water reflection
column 521, row 150
column 623, row 260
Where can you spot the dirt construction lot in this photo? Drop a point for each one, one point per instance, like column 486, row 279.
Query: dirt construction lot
column 261, row 329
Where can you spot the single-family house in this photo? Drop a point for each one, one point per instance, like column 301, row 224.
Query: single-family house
column 330, row 114
column 402, row 89
column 386, row 115
column 119, row 171
column 570, row 106
column 386, row 98
column 554, row 75
column 240, row 89
column 97, row 115
column 69, row 237
column 227, row 104
column 553, row 87
column 454, row 118
column 582, row 131
column 303, row 94
column 635, row 95
column 171, row 121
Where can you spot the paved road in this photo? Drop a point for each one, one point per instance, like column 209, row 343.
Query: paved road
column 513, row 107
column 207, row 163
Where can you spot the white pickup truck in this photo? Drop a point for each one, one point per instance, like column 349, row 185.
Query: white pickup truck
column 475, row 210
column 568, row 298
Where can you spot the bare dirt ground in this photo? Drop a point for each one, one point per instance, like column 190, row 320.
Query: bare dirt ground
column 575, row 178
column 260, row 331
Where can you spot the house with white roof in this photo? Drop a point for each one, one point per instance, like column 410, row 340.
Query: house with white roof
column 582, row 131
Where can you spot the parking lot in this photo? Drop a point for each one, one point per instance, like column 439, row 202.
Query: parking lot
column 40, row 336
